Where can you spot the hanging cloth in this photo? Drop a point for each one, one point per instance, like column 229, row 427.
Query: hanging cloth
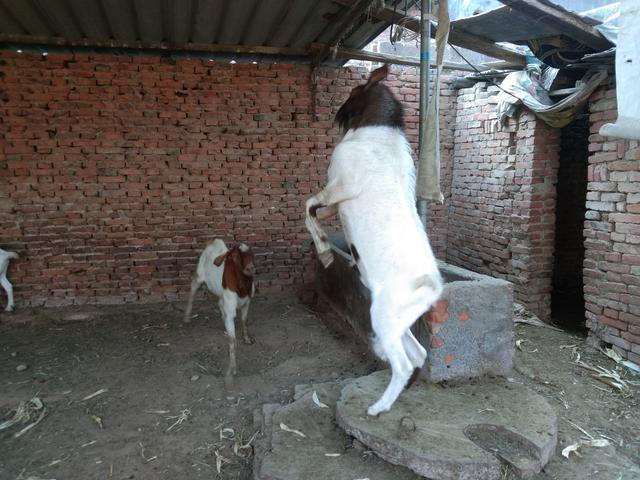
column 428, row 179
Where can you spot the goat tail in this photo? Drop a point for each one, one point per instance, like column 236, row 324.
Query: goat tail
column 195, row 285
column 12, row 255
column 427, row 290
column 430, row 282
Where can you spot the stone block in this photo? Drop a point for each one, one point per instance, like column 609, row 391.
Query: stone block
column 467, row 333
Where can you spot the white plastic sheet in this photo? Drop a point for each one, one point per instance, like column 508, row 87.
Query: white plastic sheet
column 522, row 87
column 627, row 74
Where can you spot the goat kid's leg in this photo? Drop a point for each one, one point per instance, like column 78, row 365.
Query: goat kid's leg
column 332, row 195
column 195, row 284
column 6, row 284
column 228, row 310
column 244, row 313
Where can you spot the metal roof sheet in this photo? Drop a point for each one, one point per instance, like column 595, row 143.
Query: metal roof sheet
column 522, row 26
column 184, row 25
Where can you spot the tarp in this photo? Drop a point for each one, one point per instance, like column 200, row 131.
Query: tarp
column 522, row 87
column 609, row 16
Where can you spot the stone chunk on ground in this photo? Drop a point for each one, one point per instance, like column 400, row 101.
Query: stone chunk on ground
column 461, row 432
column 324, row 453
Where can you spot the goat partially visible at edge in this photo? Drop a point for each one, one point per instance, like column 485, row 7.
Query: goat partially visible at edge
column 5, row 257
column 371, row 183
column 228, row 274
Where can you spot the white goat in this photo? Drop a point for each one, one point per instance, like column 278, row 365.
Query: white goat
column 371, row 180
column 228, row 274
column 4, row 281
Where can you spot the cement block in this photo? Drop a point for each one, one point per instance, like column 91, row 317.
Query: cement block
column 467, row 333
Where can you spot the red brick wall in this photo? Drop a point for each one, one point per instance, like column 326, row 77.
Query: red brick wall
column 501, row 219
column 612, row 232
column 115, row 171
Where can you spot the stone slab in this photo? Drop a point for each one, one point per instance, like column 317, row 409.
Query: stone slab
column 468, row 332
column 282, row 455
column 462, row 432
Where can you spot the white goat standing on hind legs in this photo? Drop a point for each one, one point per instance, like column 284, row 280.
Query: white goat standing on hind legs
column 371, row 181
column 4, row 281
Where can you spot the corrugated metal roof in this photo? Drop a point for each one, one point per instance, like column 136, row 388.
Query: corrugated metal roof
column 184, row 25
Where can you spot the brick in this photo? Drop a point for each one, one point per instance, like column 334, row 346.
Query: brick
column 601, row 206
column 613, row 323
column 618, row 342
column 624, row 217
column 632, row 339
column 629, row 318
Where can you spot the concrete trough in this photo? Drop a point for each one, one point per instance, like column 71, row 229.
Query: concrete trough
column 467, row 333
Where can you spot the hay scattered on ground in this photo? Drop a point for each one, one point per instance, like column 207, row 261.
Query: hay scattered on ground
column 182, row 417
column 31, row 411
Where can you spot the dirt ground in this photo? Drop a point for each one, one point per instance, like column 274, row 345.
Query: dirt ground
column 154, row 369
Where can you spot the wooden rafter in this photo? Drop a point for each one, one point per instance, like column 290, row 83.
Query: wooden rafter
column 570, row 24
column 354, row 54
column 358, row 8
column 456, row 37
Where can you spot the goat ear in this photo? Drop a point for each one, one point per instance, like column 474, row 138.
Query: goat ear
column 378, row 75
column 218, row 261
column 235, row 255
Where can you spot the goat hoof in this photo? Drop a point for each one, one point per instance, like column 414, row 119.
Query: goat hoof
column 248, row 340
column 375, row 409
column 326, row 258
column 9, row 309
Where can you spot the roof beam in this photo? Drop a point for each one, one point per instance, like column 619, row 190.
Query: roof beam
column 456, row 37
column 163, row 46
column 568, row 22
column 358, row 7
column 484, row 46
column 354, row 54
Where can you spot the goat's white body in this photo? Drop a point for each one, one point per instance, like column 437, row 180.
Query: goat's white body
column 382, row 221
column 209, row 273
column 229, row 301
column 371, row 179
column 5, row 257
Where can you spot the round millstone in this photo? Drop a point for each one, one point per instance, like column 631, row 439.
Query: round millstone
column 461, row 432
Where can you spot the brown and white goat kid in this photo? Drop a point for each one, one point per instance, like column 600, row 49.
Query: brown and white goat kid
column 228, row 274
column 371, row 182
column 5, row 257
